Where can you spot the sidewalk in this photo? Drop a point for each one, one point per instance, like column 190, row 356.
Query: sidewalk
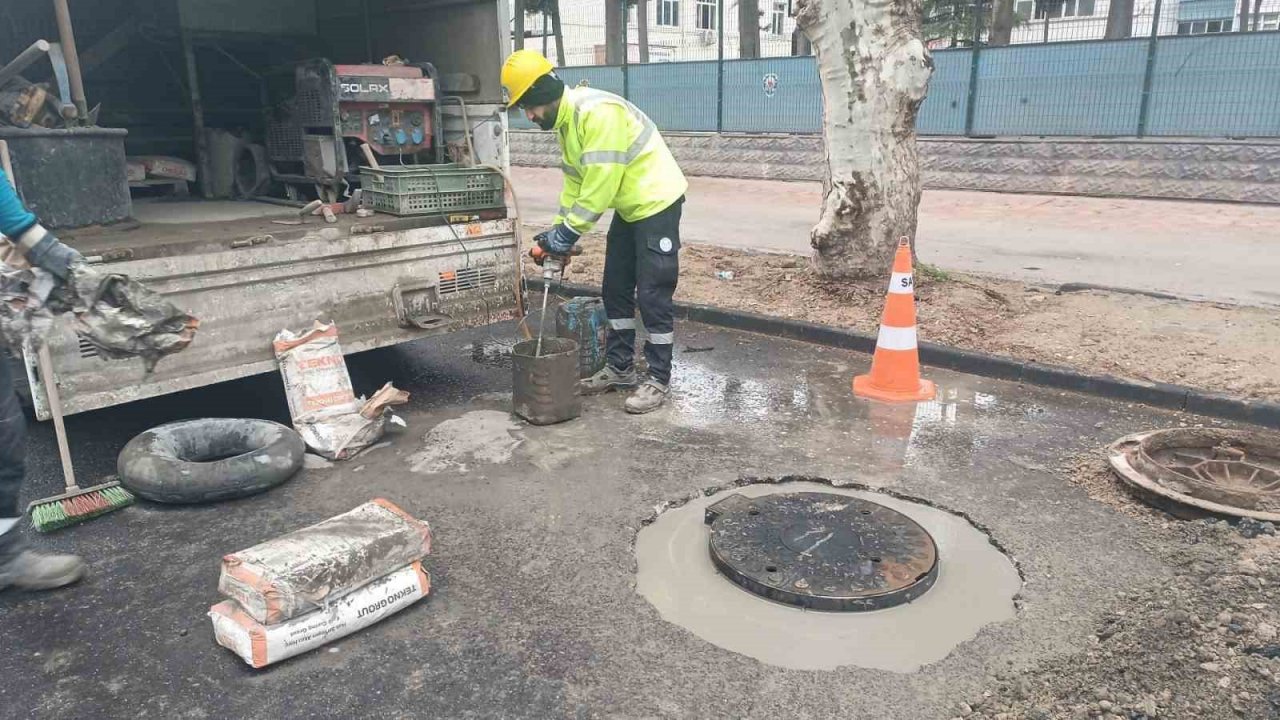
column 1200, row 250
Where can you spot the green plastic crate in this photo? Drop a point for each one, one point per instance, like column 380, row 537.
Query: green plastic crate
column 430, row 189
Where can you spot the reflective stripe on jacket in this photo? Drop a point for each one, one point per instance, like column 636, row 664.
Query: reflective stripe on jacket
column 612, row 157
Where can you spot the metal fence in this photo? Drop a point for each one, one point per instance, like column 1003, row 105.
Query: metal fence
column 1176, row 80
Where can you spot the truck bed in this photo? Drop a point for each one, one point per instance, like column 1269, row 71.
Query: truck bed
column 383, row 280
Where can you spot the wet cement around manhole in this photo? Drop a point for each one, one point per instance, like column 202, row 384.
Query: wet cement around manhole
column 975, row 587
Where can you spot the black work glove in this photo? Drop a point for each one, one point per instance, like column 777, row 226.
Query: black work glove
column 558, row 241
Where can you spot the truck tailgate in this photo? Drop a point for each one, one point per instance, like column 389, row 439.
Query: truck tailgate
column 380, row 288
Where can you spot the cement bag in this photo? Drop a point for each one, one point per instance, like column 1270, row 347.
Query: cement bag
column 260, row 645
column 168, row 168
column 299, row 572
column 325, row 411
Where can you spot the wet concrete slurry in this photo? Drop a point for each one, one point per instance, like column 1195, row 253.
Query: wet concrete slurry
column 976, row 586
column 534, row 610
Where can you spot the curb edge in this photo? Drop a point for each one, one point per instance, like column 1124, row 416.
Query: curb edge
column 999, row 367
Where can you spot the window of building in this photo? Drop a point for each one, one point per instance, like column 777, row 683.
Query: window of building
column 669, row 13
column 1054, row 9
column 1024, row 9
column 1201, row 27
column 1268, row 21
column 706, row 19
column 777, row 17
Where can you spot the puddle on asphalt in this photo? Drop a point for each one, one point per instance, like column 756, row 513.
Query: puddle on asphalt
column 491, row 353
column 975, row 587
column 704, row 397
column 480, row 436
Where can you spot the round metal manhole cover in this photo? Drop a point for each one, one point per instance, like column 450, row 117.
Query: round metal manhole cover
column 1203, row 470
column 822, row 551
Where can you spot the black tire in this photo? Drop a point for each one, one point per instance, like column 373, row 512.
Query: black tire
column 198, row 461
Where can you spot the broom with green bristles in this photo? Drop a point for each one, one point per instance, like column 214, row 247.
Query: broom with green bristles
column 76, row 504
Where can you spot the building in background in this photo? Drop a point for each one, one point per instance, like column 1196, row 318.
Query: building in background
column 684, row 30
column 679, row 30
column 1067, row 20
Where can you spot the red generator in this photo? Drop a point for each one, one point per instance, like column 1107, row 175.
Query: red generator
column 319, row 115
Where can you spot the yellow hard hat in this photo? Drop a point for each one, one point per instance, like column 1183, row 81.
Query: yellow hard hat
column 520, row 70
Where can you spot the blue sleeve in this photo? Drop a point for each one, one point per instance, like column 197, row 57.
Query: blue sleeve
column 14, row 218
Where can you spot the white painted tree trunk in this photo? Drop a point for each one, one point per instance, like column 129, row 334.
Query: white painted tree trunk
column 874, row 70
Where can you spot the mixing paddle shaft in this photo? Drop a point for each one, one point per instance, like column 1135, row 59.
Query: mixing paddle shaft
column 552, row 268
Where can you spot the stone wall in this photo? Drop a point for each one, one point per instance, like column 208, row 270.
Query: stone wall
column 1236, row 171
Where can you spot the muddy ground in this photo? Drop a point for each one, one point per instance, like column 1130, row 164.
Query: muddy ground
column 1216, row 347
column 1202, row 645
column 535, row 611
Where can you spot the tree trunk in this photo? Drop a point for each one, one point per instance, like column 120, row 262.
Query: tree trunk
column 874, row 70
column 748, row 28
column 1001, row 23
column 1244, row 16
column 614, row 32
column 517, row 25
column 1119, row 20
column 559, row 33
column 800, row 45
column 1257, row 16
column 642, row 28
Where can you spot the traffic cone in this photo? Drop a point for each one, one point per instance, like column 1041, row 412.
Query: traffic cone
column 895, row 368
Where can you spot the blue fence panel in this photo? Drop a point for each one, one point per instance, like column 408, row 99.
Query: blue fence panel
column 773, row 95
column 1220, row 85
column 943, row 110
column 605, row 77
column 677, row 96
column 1092, row 88
column 1216, row 86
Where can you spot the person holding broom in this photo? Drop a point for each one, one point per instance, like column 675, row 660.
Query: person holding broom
column 21, row 567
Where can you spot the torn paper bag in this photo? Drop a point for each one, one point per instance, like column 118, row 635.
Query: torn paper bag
column 325, row 410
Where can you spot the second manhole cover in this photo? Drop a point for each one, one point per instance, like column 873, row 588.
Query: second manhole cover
column 822, row 551
column 1194, row 471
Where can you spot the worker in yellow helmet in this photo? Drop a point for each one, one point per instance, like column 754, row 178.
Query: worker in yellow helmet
column 613, row 158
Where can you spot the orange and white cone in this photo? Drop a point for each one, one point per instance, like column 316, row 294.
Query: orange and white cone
column 895, row 368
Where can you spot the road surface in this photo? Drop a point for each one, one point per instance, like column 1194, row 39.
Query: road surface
column 534, row 611
column 1201, row 250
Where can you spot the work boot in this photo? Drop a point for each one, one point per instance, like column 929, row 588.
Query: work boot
column 647, row 398
column 607, row 379
column 30, row 570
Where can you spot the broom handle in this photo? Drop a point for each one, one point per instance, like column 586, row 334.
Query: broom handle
column 45, row 361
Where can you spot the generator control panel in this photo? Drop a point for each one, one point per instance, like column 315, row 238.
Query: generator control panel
column 388, row 107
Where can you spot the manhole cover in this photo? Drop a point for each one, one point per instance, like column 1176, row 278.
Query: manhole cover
column 822, row 551
column 1222, row 472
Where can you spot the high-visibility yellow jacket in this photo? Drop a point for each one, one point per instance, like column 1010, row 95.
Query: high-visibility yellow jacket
column 612, row 157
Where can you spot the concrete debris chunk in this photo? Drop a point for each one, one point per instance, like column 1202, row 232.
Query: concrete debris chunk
column 115, row 314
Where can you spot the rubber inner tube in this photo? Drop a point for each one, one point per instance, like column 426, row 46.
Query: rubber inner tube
column 195, row 461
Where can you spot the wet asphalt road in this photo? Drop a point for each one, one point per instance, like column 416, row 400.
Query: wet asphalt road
column 534, row 611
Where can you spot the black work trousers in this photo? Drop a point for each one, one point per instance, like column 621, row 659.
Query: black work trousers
column 12, row 440
column 641, row 266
